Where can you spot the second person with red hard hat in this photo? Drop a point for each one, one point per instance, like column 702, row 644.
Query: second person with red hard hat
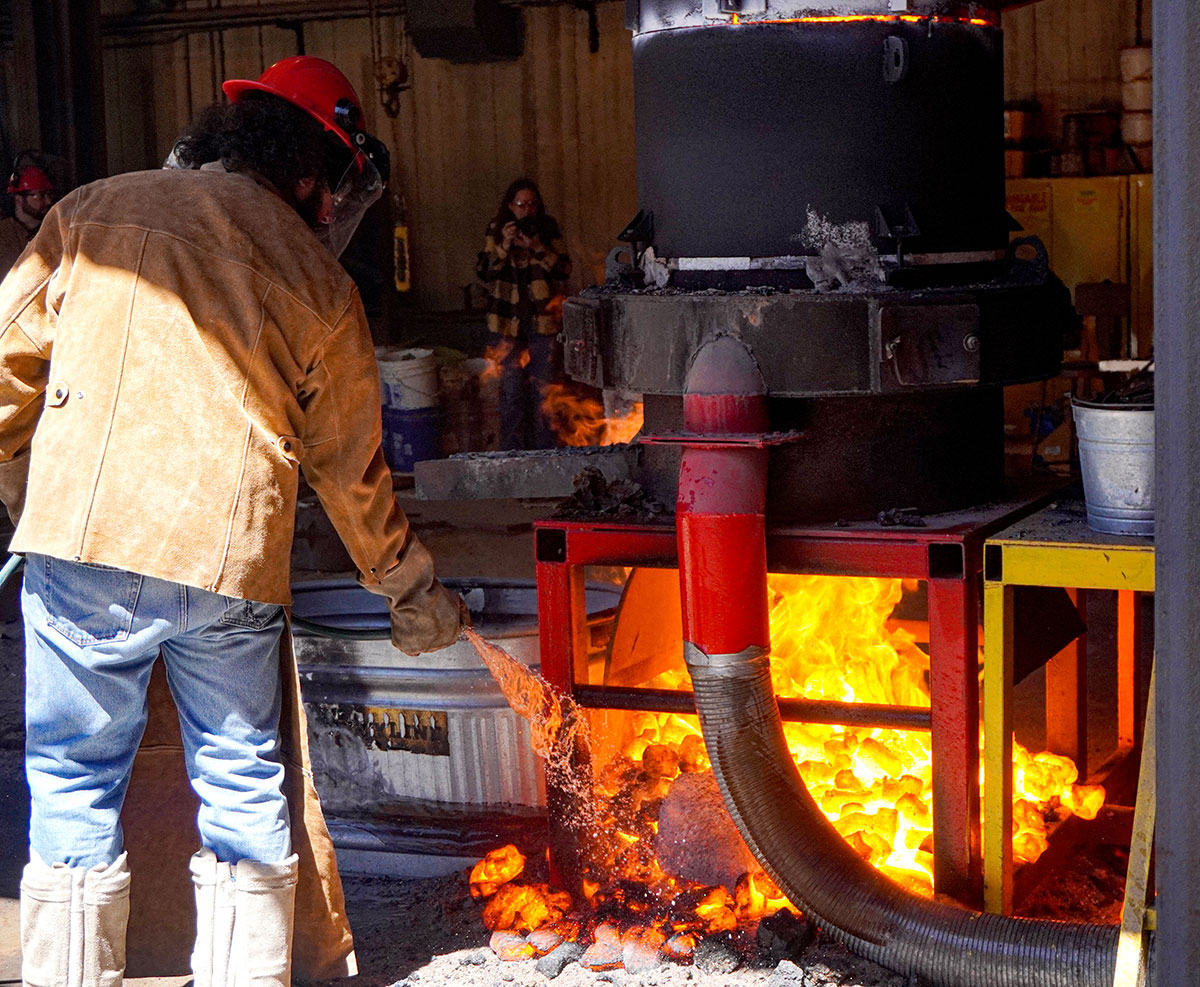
column 32, row 195
column 175, row 347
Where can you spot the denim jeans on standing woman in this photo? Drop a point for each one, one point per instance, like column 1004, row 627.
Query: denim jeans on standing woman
column 522, row 424
column 92, row 635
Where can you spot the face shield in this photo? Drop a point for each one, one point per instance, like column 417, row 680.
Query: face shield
column 355, row 172
column 357, row 189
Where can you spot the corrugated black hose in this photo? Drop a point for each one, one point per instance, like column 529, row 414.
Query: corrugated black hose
column 845, row 895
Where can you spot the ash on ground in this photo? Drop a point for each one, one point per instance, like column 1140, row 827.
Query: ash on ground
column 430, row 933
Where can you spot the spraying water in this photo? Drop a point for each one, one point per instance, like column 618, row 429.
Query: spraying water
column 558, row 729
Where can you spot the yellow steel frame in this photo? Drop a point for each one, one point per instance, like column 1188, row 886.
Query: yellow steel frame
column 1136, row 919
column 1090, row 562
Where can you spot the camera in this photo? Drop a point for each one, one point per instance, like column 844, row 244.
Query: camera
column 531, row 226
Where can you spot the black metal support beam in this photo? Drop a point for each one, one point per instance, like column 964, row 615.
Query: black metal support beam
column 791, row 710
column 23, row 113
column 59, row 85
column 117, row 30
column 1177, row 497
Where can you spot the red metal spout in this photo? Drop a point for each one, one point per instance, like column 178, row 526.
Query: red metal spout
column 721, row 504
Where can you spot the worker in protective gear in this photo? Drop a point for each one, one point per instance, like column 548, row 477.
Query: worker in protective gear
column 32, row 196
column 175, row 346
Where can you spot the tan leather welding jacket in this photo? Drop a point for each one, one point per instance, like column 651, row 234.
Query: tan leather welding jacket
column 194, row 344
column 173, row 346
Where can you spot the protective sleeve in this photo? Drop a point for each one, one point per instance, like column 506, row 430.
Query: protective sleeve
column 343, row 461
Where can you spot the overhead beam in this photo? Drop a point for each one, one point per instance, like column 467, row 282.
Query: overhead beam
column 154, row 26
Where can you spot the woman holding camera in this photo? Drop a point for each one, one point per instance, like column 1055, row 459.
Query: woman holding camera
column 525, row 265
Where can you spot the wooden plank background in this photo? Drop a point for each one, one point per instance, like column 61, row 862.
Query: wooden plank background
column 560, row 114
column 1064, row 53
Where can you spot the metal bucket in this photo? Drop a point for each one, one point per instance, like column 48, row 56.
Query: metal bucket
column 1116, row 458
column 384, row 727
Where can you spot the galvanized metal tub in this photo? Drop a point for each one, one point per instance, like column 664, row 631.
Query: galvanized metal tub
column 385, row 728
column 1116, row 458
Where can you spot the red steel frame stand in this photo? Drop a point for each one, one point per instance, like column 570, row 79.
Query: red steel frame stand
column 947, row 554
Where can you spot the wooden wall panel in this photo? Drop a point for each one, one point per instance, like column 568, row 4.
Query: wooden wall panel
column 1064, row 53
column 561, row 114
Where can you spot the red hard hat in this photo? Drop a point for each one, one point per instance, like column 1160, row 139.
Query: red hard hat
column 29, row 179
column 313, row 84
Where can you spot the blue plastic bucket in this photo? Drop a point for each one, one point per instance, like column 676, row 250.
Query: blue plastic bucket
column 408, row 390
column 411, row 435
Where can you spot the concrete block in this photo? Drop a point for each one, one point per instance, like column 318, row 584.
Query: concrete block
column 538, row 473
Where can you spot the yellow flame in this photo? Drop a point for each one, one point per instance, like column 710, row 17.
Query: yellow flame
column 832, row 638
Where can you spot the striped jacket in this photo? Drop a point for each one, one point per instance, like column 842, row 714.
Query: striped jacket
column 518, row 275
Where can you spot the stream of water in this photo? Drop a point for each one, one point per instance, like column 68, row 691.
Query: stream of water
column 558, row 728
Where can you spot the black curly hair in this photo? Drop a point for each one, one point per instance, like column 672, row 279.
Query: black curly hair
column 504, row 214
column 267, row 135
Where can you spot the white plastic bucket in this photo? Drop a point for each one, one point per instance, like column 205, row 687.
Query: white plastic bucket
column 1137, row 62
column 1137, row 95
column 408, row 390
column 408, row 378
column 1137, row 128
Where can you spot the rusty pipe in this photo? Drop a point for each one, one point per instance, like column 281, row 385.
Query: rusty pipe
column 723, row 575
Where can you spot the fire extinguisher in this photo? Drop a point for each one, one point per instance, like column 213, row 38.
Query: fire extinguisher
column 400, row 255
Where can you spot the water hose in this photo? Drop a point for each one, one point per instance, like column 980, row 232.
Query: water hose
column 11, row 565
column 721, row 533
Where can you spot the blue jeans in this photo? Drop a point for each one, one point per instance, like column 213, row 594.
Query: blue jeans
column 92, row 635
column 522, row 424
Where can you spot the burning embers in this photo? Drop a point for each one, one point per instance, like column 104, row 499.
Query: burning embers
column 666, row 871
column 627, row 924
column 833, row 638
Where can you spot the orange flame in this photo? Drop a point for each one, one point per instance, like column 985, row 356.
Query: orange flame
column 757, row 896
column 878, row 18
column 832, row 638
column 580, row 421
column 717, row 910
column 495, row 357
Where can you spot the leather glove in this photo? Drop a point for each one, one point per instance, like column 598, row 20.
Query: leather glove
column 425, row 616
column 437, row 622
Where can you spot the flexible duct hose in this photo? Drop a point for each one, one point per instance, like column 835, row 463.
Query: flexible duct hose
column 721, row 532
column 841, row 892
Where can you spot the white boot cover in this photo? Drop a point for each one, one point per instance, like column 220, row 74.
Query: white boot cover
column 213, row 882
column 244, row 915
column 265, row 896
column 73, row 922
